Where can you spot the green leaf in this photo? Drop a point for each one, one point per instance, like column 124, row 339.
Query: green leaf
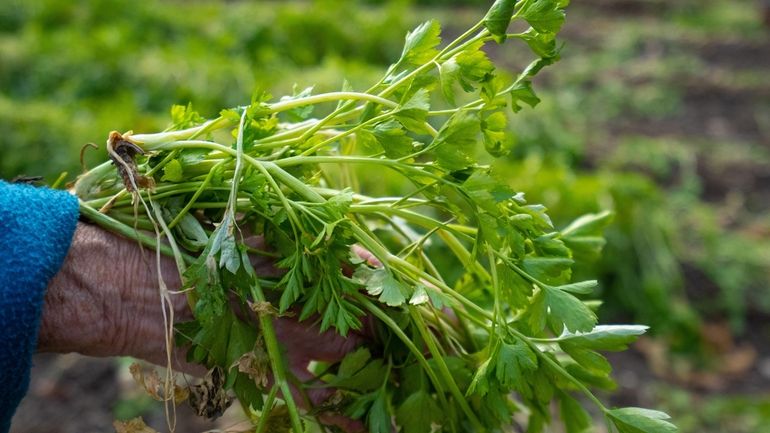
column 605, row 337
column 183, row 117
column 474, row 66
column 549, row 270
column 173, row 171
column 353, row 362
column 486, row 191
column 456, row 141
column 590, row 224
column 367, row 379
column 498, row 17
column 191, row 232
column 591, row 361
column 580, row 288
column 421, row 43
column 418, row 412
column 437, row 297
column 575, row 418
column 300, row 113
column 379, row 419
column 360, row 405
column 292, row 284
column 229, row 257
column 246, row 390
column 545, row 16
column 536, row 422
column 523, row 92
column 584, row 235
column 589, row 379
column 357, row 372
column 420, row 295
column 469, row 67
column 542, row 44
column 413, row 112
column 392, row 137
column 537, row 312
column 514, row 364
column 381, row 282
column 241, row 339
column 211, row 343
column 565, row 309
column 638, row 420
column 480, row 382
column 449, row 75
column 516, row 289
column 203, row 275
column 497, row 141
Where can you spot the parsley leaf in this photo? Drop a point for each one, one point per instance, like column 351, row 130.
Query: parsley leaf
column 421, row 43
column 456, row 141
column 381, row 282
column 498, row 17
column 418, row 413
column 638, row 420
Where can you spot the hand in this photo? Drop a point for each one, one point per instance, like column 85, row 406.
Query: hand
column 105, row 302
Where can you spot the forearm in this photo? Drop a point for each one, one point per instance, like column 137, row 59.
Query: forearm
column 36, row 227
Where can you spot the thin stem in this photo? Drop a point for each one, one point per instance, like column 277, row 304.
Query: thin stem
column 195, row 196
column 277, row 361
column 390, row 323
column 559, row 369
column 116, row 226
column 329, row 97
column 266, row 409
column 444, row 369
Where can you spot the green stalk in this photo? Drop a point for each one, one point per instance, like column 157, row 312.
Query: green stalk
column 277, row 361
column 330, row 97
column 195, row 196
column 266, row 409
column 559, row 369
column 116, row 226
column 444, row 369
column 390, row 323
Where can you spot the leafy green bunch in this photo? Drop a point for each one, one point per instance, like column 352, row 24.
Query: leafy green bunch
column 475, row 323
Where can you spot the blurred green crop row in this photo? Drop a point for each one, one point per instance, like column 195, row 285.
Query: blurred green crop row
column 73, row 71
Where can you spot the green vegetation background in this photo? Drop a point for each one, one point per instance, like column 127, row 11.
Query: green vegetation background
column 658, row 110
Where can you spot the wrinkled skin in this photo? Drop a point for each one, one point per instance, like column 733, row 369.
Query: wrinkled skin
column 105, row 302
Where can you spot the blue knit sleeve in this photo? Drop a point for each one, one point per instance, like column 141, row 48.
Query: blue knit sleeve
column 36, row 228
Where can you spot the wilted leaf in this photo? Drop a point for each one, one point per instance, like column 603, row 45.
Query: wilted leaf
column 135, row 425
column 209, row 399
column 153, row 385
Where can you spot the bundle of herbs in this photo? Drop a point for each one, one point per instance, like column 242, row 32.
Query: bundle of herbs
column 474, row 322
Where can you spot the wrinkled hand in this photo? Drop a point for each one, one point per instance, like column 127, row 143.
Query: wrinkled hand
column 105, row 302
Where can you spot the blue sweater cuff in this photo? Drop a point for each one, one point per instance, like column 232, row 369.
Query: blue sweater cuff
column 36, row 229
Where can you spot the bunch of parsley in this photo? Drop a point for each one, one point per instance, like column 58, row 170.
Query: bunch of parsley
column 477, row 324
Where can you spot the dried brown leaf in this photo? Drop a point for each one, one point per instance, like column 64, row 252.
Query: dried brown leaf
column 256, row 365
column 153, row 385
column 135, row 425
column 209, row 399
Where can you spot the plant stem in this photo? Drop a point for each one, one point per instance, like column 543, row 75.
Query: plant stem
column 330, row 97
column 444, row 370
column 277, row 361
column 266, row 409
column 390, row 323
